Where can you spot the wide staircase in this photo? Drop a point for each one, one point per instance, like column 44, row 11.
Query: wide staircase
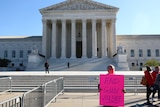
column 81, row 64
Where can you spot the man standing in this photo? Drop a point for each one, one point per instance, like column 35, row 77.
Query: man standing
column 68, row 64
column 46, row 65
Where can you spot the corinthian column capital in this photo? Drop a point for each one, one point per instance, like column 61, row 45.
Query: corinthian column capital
column 44, row 21
column 113, row 21
column 53, row 20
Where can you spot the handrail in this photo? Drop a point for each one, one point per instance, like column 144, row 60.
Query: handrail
column 48, row 92
column 6, row 77
column 31, row 90
column 7, row 85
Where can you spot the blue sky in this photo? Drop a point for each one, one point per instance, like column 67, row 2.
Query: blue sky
column 22, row 17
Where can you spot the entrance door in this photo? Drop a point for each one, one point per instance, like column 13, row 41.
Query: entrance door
column 79, row 49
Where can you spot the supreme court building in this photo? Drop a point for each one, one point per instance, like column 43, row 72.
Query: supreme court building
column 79, row 29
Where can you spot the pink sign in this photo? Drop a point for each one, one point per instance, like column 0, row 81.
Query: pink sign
column 111, row 93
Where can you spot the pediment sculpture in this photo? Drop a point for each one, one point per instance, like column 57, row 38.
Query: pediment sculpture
column 79, row 5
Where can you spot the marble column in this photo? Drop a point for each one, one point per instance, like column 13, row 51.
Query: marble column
column 104, row 42
column 84, row 39
column 73, row 39
column 113, row 36
column 63, row 42
column 94, row 39
column 44, row 38
column 53, row 38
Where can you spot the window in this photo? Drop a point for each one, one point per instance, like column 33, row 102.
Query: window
column 148, row 53
column 132, row 53
column 157, row 52
column 140, row 53
column 13, row 54
column 21, row 54
column 29, row 51
column 125, row 51
column 5, row 53
column 133, row 64
column 141, row 64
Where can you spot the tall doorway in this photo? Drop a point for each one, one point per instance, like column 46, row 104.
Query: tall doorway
column 79, row 49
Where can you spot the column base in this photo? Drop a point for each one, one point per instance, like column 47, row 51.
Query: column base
column 94, row 57
column 84, row 57
column 104, row 57
column 73, row 57
column 63, row 57
column 53, row 58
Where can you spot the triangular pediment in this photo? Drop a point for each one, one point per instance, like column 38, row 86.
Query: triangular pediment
column 79, row 5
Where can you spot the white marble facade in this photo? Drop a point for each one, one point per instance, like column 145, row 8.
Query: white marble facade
column 129, row 42
column 79, row 29
column 17, row 48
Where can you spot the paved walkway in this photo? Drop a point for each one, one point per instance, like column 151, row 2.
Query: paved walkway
column 92, row 100
column 88, row 100
column 9, row 95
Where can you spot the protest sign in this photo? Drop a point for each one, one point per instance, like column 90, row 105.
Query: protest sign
column 111, row 93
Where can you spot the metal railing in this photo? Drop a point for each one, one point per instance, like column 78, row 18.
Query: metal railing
column 42, row 96
column 132, row 84
column 13, row 102
column 52, row 89
column 5, row 84
column 33, row 98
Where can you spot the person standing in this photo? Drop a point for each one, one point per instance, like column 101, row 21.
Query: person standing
column 68, row 64
column 150, row 83
column 111, row 70
column 46, row 65
column 156, row 77
column 110, row 76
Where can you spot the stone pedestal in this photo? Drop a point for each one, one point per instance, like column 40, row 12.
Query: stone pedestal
column 121, row 60
column 35, row 58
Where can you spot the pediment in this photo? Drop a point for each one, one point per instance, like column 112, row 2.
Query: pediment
column 79, row 5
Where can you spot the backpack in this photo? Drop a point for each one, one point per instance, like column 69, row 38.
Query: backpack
column 143, row 81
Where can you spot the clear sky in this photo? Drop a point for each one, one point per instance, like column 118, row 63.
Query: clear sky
column 22, row 17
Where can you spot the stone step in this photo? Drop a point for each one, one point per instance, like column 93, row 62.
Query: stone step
column 84, row 64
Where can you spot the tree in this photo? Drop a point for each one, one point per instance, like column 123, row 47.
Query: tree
column 4, row 62
column 152, row 62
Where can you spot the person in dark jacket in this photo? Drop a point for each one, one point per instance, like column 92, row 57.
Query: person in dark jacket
column 46, row 65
